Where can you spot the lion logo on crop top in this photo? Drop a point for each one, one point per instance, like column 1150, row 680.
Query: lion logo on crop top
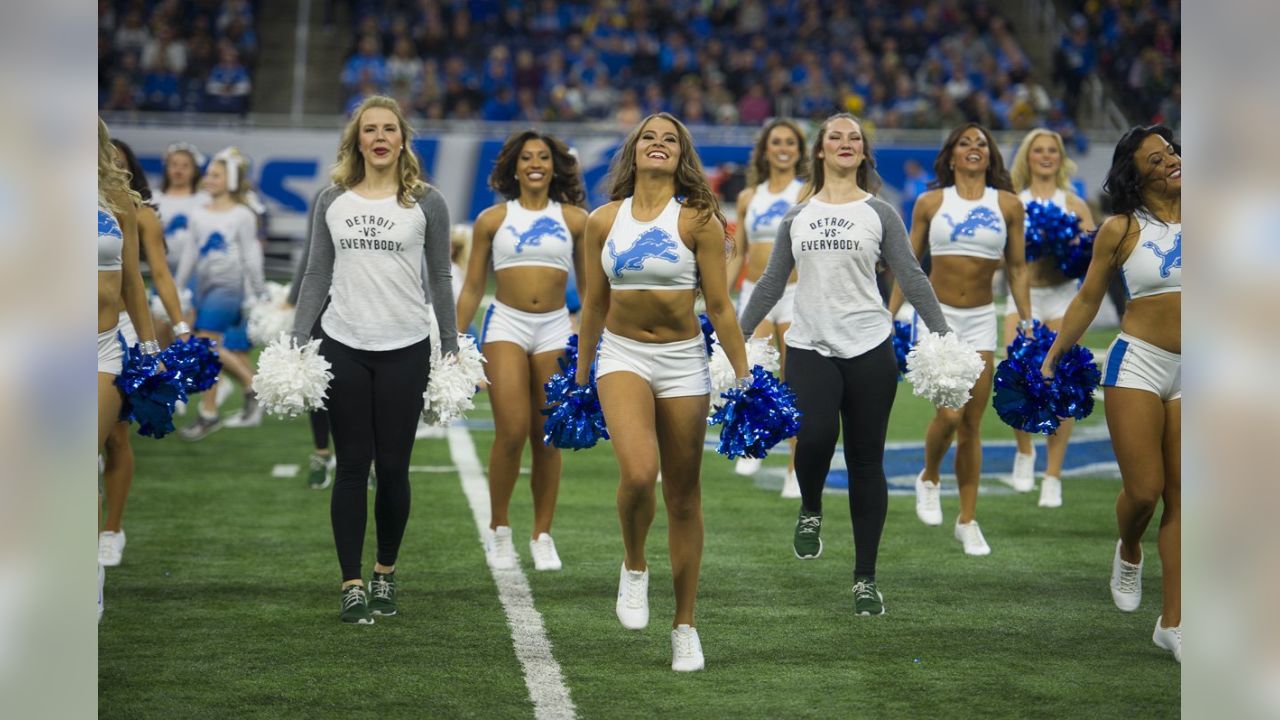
column 1169, row 259
column 107, row 225
column 653, row 243
column 979, row 218
column 542, row 227
column 774, row 212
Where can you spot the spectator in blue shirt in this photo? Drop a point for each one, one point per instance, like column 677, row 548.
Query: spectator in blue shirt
column 368, row 62
column 1074, row 62
column 228, row 87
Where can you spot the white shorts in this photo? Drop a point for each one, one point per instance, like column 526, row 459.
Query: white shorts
column 126, row 330
column 1136, row 364
column 782, row 313
column 110, row 352
column 534, row 332
column 976, row 326
column 1047, row 303
column 674, row 369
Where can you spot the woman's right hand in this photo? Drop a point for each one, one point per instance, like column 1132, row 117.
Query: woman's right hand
column 1049, row 365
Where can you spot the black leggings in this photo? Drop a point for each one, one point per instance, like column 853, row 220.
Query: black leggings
column 319, row 418
column 374, row 402
column 857, row 392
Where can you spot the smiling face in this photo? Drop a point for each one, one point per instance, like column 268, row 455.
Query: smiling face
column 215, row 180
column 971, row 153
column 842, row 145
column 1159, row 164
column 380, row 138
column 1044, row 157
column 782, row 148
column 658, row 146
column 534, row 166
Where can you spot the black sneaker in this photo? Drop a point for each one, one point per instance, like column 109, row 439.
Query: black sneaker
column 807, row 542
column 355, row 606
column 321, row 474
column 383, row 589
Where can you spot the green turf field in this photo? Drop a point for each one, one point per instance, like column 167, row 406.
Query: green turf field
column 226, row 603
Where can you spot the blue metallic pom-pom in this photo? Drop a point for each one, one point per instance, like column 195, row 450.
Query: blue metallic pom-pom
column 149, row 396
column 707, row 331
column 901, row 346
column 1073, row 257
column 194, row 361
column 574, row 420
column 1074, row 381
column 1050, row 231
column 1026, row 401
column 755, row 418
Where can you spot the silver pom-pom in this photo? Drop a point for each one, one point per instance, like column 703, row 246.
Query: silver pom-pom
column 942, row 369
column 453, row 383
column 759, row 352
column 269, row 318
column 292, row 379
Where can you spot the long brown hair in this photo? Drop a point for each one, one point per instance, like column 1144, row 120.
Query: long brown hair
column 566, row 179
column 866, row 176
column 348, row 171
column 758, row 164
column 997, row 175
column 113, row 180
column 690, row 179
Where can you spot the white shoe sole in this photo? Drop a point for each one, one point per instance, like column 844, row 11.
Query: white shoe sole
column 808, row 557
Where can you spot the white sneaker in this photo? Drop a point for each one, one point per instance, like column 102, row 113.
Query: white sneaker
column 499, row 549
column 111, row 548
column 1168, row 638
column 970, row 535
column 633, row 599
column 1023, row 478
column 748, row 466
column 1126, row 582
column 543, row 550
column 102, row 578
column 791, row 486
column 928, row 501
column 686, row 650
column 1050, row 492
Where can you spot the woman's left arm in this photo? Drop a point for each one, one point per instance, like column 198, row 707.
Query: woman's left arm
column 576, row 218
column 709, row 243
column 1015, row 253
column 132, row 289
column 438, row 279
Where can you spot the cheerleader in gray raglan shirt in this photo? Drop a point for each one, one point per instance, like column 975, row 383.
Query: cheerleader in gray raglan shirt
column 840, row 358
column 380, row 237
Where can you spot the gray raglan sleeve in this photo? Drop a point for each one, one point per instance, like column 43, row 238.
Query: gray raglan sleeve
column 774, row 280
column 319, row 268
column 437, row 278
column 295, row 288
column 895, row 248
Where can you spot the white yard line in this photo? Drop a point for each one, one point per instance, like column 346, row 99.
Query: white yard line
column 542, row 674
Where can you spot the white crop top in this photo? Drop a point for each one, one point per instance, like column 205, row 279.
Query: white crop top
column 766, row 210
column 110, row 242
column 648, row 255
column 968, row 227
column 1155, row 264
column 533, row 237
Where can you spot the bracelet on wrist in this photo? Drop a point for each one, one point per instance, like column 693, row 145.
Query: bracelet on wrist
column 182, row 328
column 150, row 347
column 1026, row 324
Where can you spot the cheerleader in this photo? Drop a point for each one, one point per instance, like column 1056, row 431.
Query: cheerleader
column 379, row 252
column 225, row 259
column 179, row 197
column 970, row 223
column 840, row 349
column 119, row 280
column 774, row 178
column 118, row 470
column 534, row 242
column 1142, row 382
column 1042, row 172
column 654, row 252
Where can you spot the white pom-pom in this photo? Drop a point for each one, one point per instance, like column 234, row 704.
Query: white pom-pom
column 943, row 368
column 759, row 352
column 270, row 317
column 453, row 384
column 291, row 379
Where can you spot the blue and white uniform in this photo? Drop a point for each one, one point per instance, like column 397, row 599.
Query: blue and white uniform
column 970, row 228
column 1049, row 302
column 226, row 261
column 110, row 259
column 1154, row 267
column 764, row 217
column 652, row 256
column 530, row 238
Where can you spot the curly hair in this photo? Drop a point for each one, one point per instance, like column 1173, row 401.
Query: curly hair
column 866, row 176
column 113, row 180
column 758, row 165
column 997, row 175
column 348, row 171
column 1020, row 173
column 566, row 177
column 1123, row 187
column 690, row 179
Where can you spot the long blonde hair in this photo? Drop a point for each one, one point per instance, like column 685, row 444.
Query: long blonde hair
column 243, row 184
column 690, row 179
column 348, row 171
column 113, row 180
column 1021, row 170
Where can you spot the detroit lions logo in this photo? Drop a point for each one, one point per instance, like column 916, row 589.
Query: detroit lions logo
column 1168, row 260
column 215, row 243
column 776, row 211
column 107, row 225
column 652, row 243
column 179, row 222
column 979, row 218
column 542, row 227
